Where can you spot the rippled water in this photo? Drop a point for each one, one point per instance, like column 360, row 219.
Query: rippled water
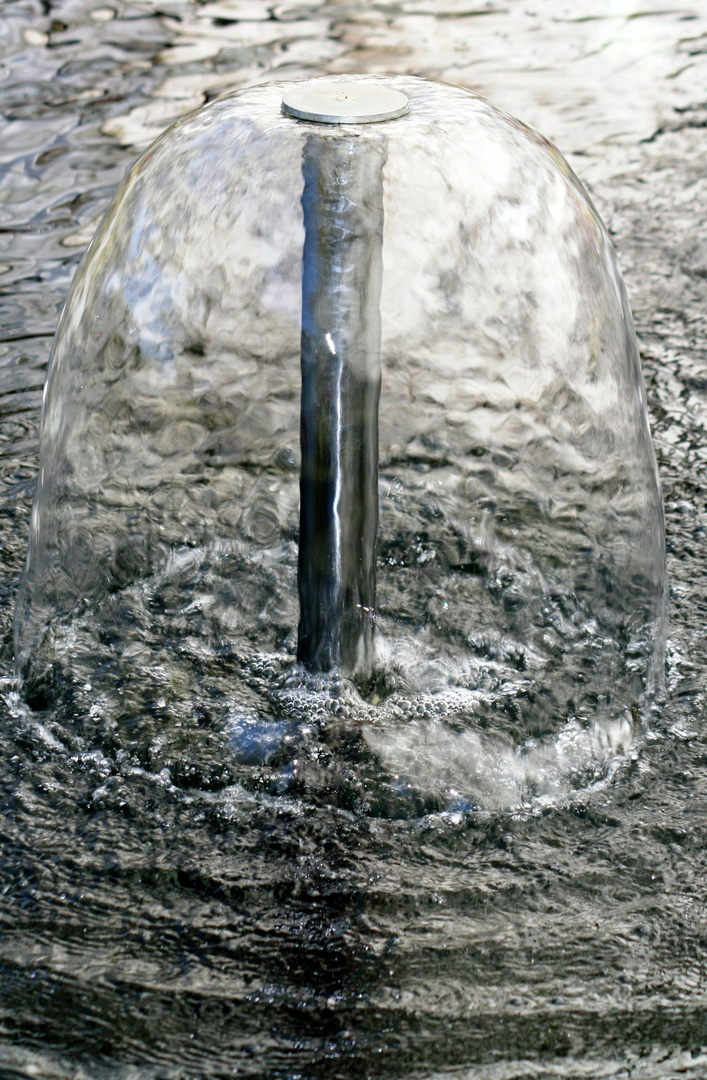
column 178, row 900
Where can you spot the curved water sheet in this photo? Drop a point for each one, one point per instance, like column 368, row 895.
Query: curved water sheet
column 520, row 557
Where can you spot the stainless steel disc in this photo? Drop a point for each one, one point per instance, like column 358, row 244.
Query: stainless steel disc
column 329, row 101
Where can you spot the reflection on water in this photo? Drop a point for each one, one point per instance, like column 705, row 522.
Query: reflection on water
column 189, row 891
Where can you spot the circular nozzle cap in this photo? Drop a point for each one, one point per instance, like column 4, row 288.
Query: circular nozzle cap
column 330, row 101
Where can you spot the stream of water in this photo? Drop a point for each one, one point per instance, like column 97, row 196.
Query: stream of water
column 187, row 892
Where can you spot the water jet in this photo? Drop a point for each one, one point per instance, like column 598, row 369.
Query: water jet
column 345, row 409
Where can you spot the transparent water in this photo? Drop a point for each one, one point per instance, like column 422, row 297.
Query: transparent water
column 190, row 892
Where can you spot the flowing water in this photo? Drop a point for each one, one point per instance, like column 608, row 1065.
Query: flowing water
column 212, row 867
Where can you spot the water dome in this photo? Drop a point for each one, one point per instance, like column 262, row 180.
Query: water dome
column 345, row 457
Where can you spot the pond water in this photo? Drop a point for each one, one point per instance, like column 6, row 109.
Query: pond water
column 166, row 912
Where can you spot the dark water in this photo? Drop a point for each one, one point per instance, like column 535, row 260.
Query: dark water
column 193, row 920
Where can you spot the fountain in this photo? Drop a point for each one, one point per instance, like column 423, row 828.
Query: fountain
column 345, row 432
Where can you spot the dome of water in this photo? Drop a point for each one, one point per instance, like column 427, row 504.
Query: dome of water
column 450, row 594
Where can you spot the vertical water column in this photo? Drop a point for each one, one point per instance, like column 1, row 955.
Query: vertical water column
column 341, row 282
column 342, row 203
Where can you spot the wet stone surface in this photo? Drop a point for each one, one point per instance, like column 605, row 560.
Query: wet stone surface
column 176, row 901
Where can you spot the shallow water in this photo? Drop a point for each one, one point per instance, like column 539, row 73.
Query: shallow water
column 225, row 914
